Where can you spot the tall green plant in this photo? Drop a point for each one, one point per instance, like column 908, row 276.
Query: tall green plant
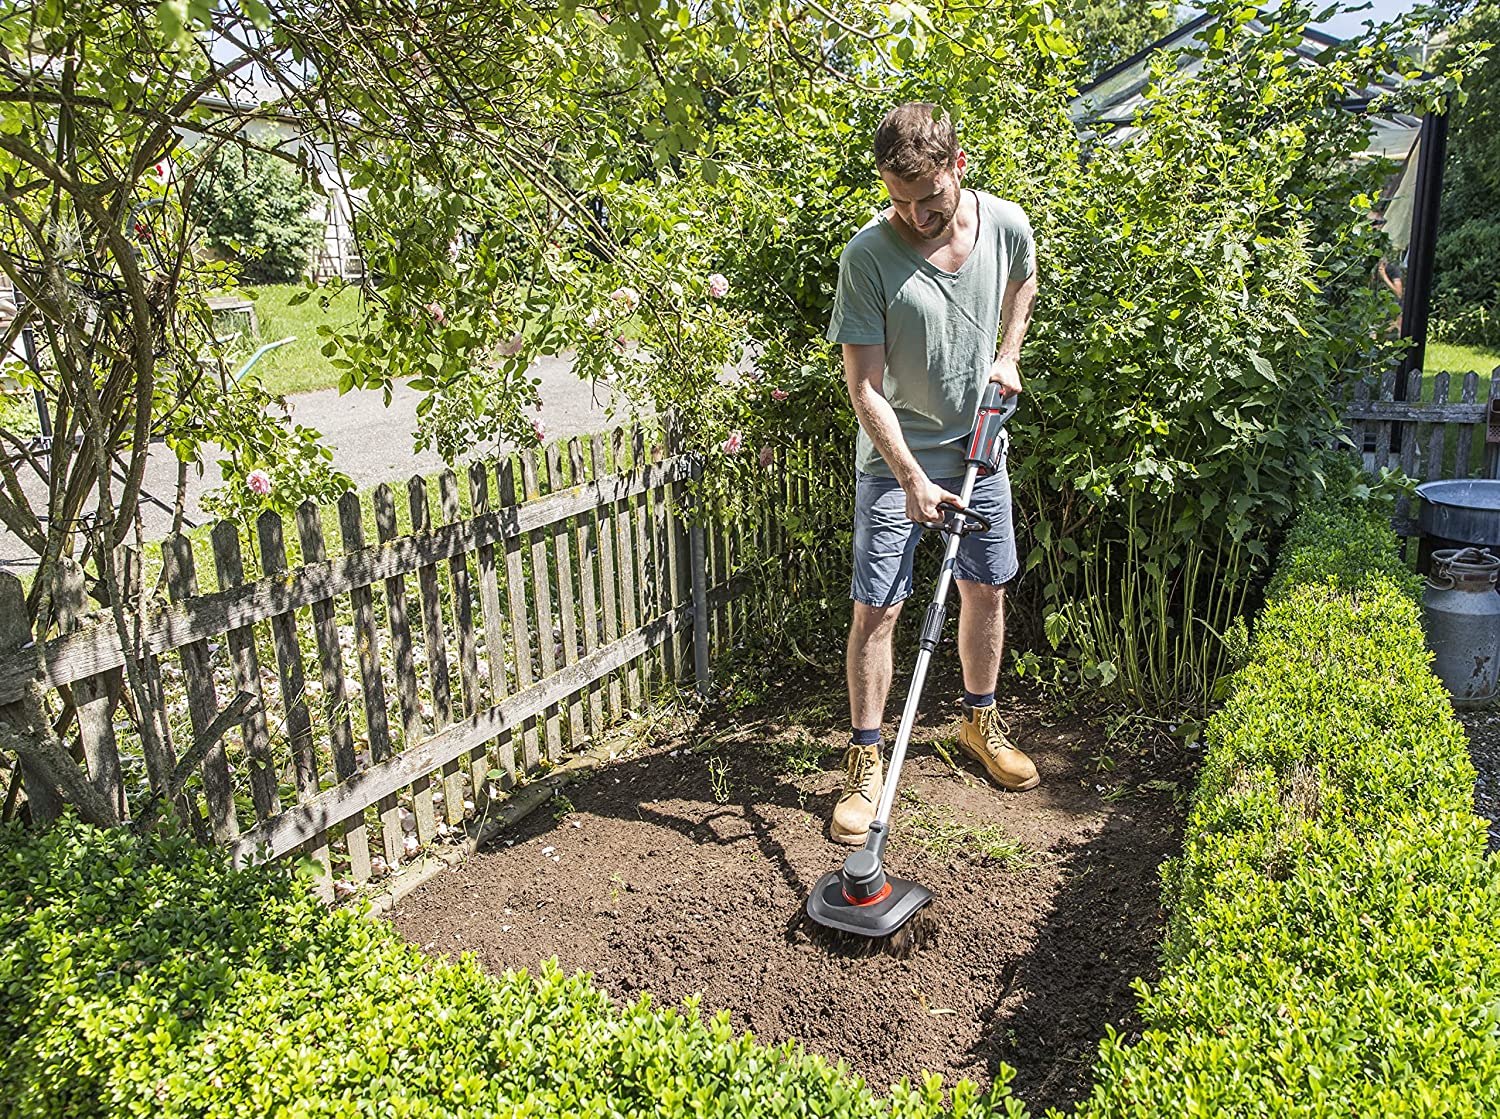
column 257, row 210
column 1205, row 307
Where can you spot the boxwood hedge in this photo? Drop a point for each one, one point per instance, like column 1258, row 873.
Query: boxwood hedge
column 1334, row 948
column 147, row 978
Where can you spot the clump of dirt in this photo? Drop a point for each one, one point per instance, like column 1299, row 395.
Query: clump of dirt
column 683, row 871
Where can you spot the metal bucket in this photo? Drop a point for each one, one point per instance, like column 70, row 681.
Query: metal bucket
column 1461, row 612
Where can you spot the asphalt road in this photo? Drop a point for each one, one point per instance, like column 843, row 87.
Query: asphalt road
column 372, row 443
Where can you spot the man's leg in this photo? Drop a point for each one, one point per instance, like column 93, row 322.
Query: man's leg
column 883, row 544
column 868, row 663
column 981, row 636
column 986, row 562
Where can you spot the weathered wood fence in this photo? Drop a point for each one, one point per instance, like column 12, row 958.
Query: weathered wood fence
column 1428, row 435
column 378, row 697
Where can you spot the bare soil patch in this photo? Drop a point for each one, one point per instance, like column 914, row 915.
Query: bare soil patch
column 682, row 871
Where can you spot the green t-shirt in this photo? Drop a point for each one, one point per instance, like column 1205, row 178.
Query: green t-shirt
column 940, row 329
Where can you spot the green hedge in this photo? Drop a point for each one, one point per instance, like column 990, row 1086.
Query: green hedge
column 147, row 978
column 1334, row 948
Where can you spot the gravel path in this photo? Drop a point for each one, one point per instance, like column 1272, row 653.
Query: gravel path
column 371, row 443
column 1483, row 728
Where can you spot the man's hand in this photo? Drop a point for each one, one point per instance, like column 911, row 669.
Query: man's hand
column 1007, row 374
column 923, row 497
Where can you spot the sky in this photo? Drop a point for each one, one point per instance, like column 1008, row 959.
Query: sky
column 1349, row 23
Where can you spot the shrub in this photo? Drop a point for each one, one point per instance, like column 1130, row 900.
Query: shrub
column 1331, row 950
column 255, row 209
column 147, row 978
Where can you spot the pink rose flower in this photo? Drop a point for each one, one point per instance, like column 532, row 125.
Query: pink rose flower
column 733, row 444
column 435, row 309
column 539, row 428
column 767, row 456
column 626, row 299
column 718, row 286
column 779, row 395
column 258, row 482
column 511, row 346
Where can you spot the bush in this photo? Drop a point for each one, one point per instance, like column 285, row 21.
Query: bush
column 1332, row 948
column 255, row 209
column 147, row 978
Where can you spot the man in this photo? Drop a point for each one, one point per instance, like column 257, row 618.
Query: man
column 922, row 292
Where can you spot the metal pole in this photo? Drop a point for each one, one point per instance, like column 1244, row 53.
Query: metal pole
column 1416, row 300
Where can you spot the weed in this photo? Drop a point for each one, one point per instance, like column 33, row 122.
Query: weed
column 798, row 756
column 1116, row 793
column 936, row 830
column 718, row 776
column 561, row 806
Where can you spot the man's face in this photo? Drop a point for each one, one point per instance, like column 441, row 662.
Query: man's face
column 928, row 203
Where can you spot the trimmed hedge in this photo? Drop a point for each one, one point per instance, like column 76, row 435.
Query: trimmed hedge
column 1334, row 948
column 147, row 978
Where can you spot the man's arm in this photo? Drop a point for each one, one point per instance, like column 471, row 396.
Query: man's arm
column 864, row 373
column 1015, row 312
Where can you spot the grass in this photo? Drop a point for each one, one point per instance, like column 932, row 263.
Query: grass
column 299, row 366
column 1443, row 357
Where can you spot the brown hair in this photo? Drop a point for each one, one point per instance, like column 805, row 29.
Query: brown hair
column 915, row 139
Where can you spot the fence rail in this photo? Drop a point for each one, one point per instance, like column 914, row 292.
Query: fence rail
column 358, row 705
column 1427, row 435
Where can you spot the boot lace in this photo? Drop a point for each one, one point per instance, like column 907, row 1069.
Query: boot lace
column 859, row 773
column 994, row 729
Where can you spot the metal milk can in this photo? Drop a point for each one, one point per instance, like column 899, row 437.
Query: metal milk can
column 1461, row 612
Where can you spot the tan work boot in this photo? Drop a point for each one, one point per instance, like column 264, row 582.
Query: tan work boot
column 981, row 736
column 856, row 804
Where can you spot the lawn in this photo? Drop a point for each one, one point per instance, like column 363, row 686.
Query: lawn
column 299, row 366
column 1445, row 357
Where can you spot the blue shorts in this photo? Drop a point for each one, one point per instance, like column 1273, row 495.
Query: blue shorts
column 885, row 541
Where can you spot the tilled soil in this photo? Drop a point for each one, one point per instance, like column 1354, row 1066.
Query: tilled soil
column 683, row 871
column 1483, row 728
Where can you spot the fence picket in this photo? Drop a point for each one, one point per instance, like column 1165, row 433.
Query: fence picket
column 625, row 545
column 94, row 697
column 1463, row 466
column 335, row 695
column 372, row 681
column 1383, row 426
column 608, row 571
column 520, row 628
column 645, row 568
column 398, row 616
column 494, row 638
column 541, row 595
column 567, row 609
column 454, row 785
column 293, row 694
column 435, row 641
column 586, row 537
column 463, row 602
column 1435, row 438
column 1407, row 434
column 202, row 702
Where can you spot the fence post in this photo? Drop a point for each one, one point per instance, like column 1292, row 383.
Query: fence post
column 700, row 595
column 15, row 635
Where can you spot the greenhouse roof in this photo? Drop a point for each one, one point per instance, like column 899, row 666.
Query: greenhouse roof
column 1106, row 107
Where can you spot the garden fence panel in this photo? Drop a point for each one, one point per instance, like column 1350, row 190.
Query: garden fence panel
column 1427, row 436
column 323, row 709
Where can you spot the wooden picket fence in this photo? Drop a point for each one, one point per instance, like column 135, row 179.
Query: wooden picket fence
column 418, row 676
column 1426, row 436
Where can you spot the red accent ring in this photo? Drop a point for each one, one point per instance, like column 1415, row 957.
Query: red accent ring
column 885, row 892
